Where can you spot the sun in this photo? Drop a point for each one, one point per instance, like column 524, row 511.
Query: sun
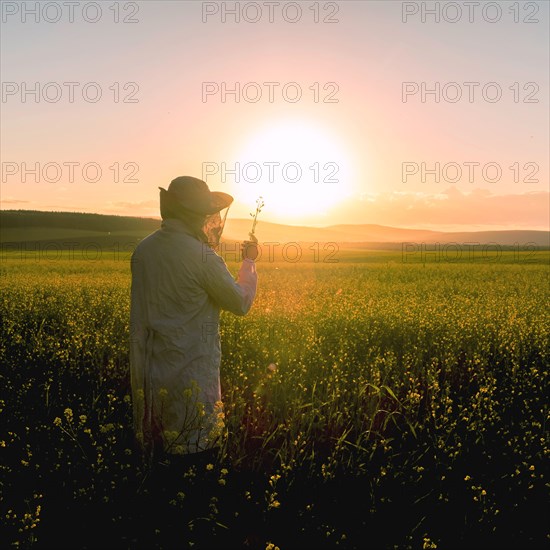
column 298, row 167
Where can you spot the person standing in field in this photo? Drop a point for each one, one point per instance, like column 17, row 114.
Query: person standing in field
column 179, row 286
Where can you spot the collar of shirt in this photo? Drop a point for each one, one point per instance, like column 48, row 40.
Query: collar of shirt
column 173, row 224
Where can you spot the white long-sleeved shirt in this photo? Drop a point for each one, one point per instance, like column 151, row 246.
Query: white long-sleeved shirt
column 179, row 286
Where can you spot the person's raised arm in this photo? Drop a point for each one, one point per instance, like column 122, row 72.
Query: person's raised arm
column 232, row 295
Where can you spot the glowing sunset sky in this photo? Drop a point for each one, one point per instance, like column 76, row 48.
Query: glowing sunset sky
column 352, row 129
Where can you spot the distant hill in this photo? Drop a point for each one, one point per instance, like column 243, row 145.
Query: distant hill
column 23, row 219
column 79, row 229
column 71, row 229
column 370, row 233
column 239, row 228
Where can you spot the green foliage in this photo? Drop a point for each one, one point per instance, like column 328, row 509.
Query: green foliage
column 399, row 404
column 78, row 221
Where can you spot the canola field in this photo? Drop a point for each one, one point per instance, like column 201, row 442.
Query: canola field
column 369, row 403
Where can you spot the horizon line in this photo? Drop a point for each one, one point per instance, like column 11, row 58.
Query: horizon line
column 414, row 228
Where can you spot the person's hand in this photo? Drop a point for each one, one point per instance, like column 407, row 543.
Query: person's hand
column 249, row 249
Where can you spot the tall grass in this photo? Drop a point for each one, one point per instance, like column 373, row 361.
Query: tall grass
column 399, row 404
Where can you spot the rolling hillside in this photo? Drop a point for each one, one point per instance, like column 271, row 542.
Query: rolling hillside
column 74, row 230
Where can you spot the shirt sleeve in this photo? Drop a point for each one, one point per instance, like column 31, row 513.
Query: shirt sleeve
column 232, row 295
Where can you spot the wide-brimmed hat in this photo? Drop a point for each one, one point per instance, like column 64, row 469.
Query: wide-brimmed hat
column 193, row 195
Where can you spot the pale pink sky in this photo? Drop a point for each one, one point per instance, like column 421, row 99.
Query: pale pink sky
column 374, row 153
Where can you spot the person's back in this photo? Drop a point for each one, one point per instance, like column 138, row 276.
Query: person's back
column 179, row 285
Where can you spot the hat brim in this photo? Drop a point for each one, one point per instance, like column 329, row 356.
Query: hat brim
column 220, row 201
column 217, row 201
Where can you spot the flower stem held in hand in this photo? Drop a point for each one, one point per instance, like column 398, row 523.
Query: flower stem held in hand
column 250, row 247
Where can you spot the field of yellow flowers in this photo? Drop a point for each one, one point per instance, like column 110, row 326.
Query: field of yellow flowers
column 367, row 405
